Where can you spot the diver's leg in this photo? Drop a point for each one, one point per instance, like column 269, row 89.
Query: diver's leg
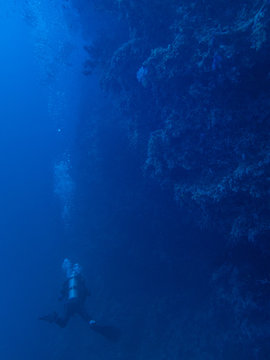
column 59, row 320
column 55, row 318
column 85, row 316
column 62, row 321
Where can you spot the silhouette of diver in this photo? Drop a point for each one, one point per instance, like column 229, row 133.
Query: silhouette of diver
column 74, row 294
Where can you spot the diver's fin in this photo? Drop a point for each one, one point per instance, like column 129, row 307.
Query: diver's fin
column 109, row 332
column 49, row 318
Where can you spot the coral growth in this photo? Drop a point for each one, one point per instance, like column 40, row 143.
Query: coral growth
column 202, row 114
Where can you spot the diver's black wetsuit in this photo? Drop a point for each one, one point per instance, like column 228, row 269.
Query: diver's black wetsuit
column 72, row 306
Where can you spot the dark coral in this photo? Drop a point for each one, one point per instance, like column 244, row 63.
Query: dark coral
column 191, row 82
column 200, row 109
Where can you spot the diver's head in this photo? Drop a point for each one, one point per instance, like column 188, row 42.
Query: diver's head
column 77, row 269
column 67, row 267
column 71, row 270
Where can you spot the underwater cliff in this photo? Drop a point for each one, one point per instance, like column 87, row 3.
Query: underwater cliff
column 192, row 80
column 189, row 88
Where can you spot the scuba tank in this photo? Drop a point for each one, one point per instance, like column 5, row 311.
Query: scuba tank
column 73, row 282
column 73, row 286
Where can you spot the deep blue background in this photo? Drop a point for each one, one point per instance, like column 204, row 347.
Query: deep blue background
column 72, row 184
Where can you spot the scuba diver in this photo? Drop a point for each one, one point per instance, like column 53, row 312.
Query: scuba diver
column 74, row 294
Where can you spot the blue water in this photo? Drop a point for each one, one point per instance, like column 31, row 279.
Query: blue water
column 89, row 170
